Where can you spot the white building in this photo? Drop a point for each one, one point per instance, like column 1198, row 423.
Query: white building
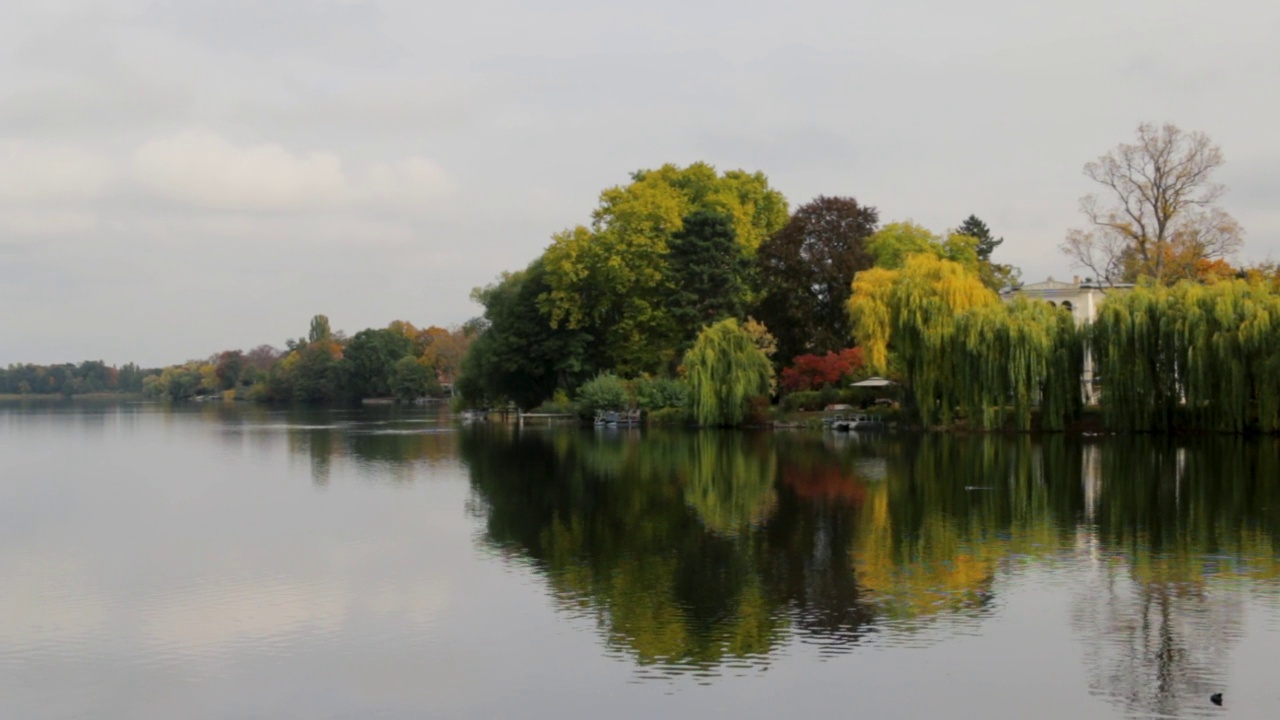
column 1083, row 299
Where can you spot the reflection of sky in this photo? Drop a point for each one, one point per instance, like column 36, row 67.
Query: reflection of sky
column 163, row 565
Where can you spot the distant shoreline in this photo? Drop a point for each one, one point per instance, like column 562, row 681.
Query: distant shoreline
column 46, row 397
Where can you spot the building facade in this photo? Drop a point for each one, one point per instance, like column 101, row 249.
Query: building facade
column 1083, row 299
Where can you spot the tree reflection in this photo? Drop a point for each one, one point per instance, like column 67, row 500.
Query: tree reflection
column 1177, row 527
column 689, row 550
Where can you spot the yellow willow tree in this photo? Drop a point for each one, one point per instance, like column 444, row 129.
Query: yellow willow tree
column 965, row 350
column 914, row 309
column 725, row 371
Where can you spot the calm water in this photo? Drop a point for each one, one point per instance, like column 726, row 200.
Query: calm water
column 230, row 562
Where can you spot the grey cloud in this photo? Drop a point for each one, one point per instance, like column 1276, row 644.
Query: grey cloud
column 260, row 162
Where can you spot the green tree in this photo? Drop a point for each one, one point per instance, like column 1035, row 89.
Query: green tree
column 707, row 269
column 519, row 355
column 895, row 242
column 318, row 376
column 725, row 371
column 805, row 271
column 612, row 279
column 319, row 330
column 410, row 380
column 370, row 357
column 978, row 230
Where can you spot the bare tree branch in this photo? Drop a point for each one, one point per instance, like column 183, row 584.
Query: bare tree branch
column 1163, row 219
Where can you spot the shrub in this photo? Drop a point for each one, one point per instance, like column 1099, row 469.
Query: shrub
column 659, row 393
column 604, row 392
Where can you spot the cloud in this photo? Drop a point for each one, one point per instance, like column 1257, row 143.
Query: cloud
column 202, row 169
column 40, row 173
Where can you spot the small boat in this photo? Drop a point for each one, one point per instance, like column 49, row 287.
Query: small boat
column 473, row 416
column 615, row 418
column 856, row 423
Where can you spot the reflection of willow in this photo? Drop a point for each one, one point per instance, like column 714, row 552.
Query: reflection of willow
column 603, row 517
column 1178, row 529
column 729, row 482
column 931, row 537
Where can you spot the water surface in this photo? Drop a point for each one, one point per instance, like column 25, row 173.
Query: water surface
column 211, row 561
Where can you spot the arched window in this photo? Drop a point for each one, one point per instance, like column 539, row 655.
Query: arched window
column 1067, row 304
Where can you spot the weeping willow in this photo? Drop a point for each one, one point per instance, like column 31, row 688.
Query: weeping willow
column 725, row 370
column 1206, row 357
column 963, row 350
column 914, row 309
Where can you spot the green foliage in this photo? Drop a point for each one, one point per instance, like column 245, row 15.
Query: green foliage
column 805, row 271
column 964, row 351
column 707, row 271
column 658, row 393
column 319, row 332
column 605, row 391
column 90, row 376
column 410, row 380
column 370, row 358
column 978, row 230
column 519, row 355
column 725, row 370
column 318, row 376
column 613, row 280
column 1204, row 356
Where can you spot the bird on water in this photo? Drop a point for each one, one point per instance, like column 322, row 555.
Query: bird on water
column 1216, row 698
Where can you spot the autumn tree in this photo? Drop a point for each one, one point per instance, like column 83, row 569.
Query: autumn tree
column 611, row 279
column 1157, row 215
column 912, row 310
column 814, row 372
column 805, row 269
column 891, row 245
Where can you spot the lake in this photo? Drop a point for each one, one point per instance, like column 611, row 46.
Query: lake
column 227, row 561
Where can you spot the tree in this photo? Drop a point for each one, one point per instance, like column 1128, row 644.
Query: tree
column 805, row 271
column 725, row 372
column 229, row 367
column 1157, row 216
column 519, row 356
column 978, row 230
column 410, row 380
column 913, row 310
column 893, row 244
column 612, row 279
column 370, row 357
column 707, row 270
column 814, row 372
column 319, row 330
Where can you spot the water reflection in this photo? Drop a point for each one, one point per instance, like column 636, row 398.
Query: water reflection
column 693, row 550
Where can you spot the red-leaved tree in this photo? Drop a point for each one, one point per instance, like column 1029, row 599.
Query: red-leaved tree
column 813, row 372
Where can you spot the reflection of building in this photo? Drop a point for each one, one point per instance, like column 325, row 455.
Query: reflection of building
column 1083, row 299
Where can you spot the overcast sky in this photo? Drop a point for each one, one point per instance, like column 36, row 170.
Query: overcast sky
column 183, row 177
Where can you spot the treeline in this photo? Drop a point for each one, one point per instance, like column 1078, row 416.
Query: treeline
column 399, row 361
column 90, row 376
column 699, row 277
